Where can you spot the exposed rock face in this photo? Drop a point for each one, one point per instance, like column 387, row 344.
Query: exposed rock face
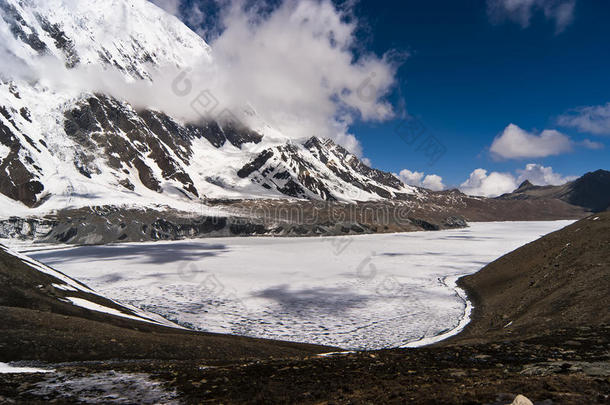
column 339, row 160
column 20, row 178
column 100, row 225
column 129, row 139
column 277, row 217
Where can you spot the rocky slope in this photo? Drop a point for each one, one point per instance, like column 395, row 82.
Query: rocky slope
column 559, row 281
column 260, row 217
column 322, row 170
column 29, row 284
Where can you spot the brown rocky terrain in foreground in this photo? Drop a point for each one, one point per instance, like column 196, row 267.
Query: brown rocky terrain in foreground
column 555, row 351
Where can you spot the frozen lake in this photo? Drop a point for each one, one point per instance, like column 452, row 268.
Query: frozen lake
column 355, row 292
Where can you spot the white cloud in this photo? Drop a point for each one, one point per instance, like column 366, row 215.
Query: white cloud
column 561, row 12
column 432, row 181
column 591, row 119
column 488, row 185
column 515, row 143
column 171, row 6
column 294, row 66
column 480, row 183
column 411, row 178
column 541, row 175
column 589, row 144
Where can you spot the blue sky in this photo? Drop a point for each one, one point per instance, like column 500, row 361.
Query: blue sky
column 474, row 67
column 468, row 78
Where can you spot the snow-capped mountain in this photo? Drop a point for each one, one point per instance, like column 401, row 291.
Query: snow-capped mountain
column 320, row 169
column 68, row 138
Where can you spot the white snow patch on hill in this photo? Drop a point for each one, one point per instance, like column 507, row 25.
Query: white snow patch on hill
column 4, row 151
column 9, row 369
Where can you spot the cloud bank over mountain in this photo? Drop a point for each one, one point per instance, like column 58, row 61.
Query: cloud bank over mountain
column 419, row 179
column 482, row 183
column 298, row 68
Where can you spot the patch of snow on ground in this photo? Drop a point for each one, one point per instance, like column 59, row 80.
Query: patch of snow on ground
column 80, row 302
column 109, row 387
column 64, row 287
column 8, row 369
column 4, row 151
column 354, row 292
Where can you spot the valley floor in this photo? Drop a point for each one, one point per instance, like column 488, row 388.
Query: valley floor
column 540, row 327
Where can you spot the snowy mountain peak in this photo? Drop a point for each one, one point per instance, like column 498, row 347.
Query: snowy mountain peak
column 78, row 128
column 321, row 169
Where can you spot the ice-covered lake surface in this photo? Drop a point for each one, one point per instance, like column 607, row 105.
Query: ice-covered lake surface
column 356, row 292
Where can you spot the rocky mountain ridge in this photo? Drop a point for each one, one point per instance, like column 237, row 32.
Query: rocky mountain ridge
column 591, row 191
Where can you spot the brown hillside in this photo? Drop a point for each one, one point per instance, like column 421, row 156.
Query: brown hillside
column 559, row 281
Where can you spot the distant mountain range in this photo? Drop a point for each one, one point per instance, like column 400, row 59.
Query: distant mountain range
column 591, row 191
